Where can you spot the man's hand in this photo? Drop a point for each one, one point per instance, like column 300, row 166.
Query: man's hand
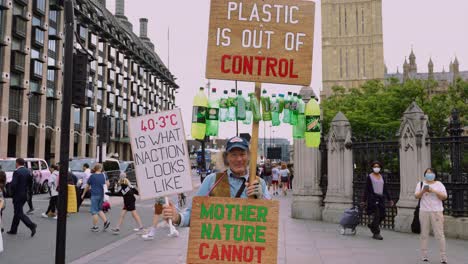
column 254, row 189
column 170, row 212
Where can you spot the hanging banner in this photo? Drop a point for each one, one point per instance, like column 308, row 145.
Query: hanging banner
column 160, row 153
column 233, row 230
column 265, row 41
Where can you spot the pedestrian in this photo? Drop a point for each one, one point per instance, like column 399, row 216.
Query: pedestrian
column 284, row 175
column 19, row 187
column 3, row 180
column 234, row 182
column 291, row 177
column 267, row 171
column 431, row 212
column 128, row 193
column 275, row 178
column 375, row 196
column 158, row 209
column 84, row 182
column 30, row 192
column 96, row 183
column 54, row 176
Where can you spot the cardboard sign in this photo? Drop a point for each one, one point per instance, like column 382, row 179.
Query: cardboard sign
column 267, row 41
column 233, row 230
column 160, row 154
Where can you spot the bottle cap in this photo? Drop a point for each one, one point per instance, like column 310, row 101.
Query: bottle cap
column 202, row 88
column 273, row 95
column 281, row 95
column 213, row 90
column 289, row 93
column 295, row 94
column 225, row 91
column 233, row 90
column 239, row 92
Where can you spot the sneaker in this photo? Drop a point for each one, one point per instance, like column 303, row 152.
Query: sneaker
column 147, row 237
column 55, row 217
column 377, row 237
column 95, row 229
column 116, row 231
column 106, row 224
column 443, row 261
column 138, row 229
column 44, row 215
column 30, row 211
column 424, row 259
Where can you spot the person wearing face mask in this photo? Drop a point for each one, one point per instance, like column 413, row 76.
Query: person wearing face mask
column 431, row 212
column 374, row 198
column 231, row 183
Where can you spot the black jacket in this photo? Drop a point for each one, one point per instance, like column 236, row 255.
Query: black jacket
column 373, row 200
column 20, row 182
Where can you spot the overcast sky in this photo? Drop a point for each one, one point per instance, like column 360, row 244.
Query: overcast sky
column 433, row 28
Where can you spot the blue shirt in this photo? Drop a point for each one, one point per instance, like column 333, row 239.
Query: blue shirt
column 234, row 182
column 96, row 183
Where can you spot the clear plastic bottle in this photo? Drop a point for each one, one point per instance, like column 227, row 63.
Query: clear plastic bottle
column 287, row 106
column 281, row 103
column 248, row 112
column 212, row 117
column 293, row 110
column 255, row 107
column 200, row 105
column 299, row 129
column 313, row 125
column 240, row 106
column 275, row 115
column 232, row 105
column 266, row 106
column 223, row 107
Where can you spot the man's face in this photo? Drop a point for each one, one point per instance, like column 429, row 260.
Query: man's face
column 238, row 159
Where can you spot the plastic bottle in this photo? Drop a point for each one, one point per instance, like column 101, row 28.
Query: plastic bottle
column 223, row 107
column 240, row 106
column 281, row 103
column 293, row 110
column 275, row 115
column 232, row 105
column 248, row 113
column 313, row 125
column 212, row 117
column 266, row 106
column 255, row 108
column 287, row 105
column 299, row 129
column 200, row 105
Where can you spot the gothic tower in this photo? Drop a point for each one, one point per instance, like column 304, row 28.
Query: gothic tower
column 352, row 43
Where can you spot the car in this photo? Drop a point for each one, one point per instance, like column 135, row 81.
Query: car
column 39, row 168
column 128, row 167
column 111, row 168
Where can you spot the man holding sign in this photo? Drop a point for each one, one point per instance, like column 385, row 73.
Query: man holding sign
column 231, row 183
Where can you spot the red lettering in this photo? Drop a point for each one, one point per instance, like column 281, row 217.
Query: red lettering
column 237, row 65
column 260, row 61
column 200, row 250
column 248, row 250
column 291, row 72
column 271, row 64
column 237, row 253
column 214, row 252
column 226, row 252
column 283, row 68
column 223, row 63
column 248, row 63
column 259, row 253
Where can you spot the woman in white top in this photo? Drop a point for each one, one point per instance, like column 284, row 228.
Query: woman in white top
column 51, row 210
column 431, row 212
column 284, row 175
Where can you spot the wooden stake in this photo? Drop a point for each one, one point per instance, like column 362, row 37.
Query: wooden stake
column 254, row 142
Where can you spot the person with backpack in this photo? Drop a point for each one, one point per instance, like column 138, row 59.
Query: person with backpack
column 128, row 193
column 51, row 210
column 431, row 212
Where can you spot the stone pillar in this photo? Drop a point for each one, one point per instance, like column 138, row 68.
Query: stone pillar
column 340, row 169
column 415, row 157
column 307, row 195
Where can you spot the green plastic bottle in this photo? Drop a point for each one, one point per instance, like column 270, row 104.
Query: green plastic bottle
column 299, row 129
column 255, row 108
column 223, row 107
column 200, row 105
column 275, row 115
column 232, row 105
column 313, row 125
column 212, row 117
column 248, row 113
column 240, row 106
column 266, row 106
column 293, row 110
column 281, row 103
column 287, row 105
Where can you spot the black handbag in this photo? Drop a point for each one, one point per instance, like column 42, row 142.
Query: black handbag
column 416, row 225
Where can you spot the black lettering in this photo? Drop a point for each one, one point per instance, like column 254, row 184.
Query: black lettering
column 181, row 165
column 147, row 175
column 153, row 140
column 156, row 187
column 176, row 182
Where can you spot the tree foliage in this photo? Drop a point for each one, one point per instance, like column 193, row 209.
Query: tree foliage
column 379, row 107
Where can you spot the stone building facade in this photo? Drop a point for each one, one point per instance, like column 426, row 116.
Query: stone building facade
column 127, row 78
column 352, row 43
